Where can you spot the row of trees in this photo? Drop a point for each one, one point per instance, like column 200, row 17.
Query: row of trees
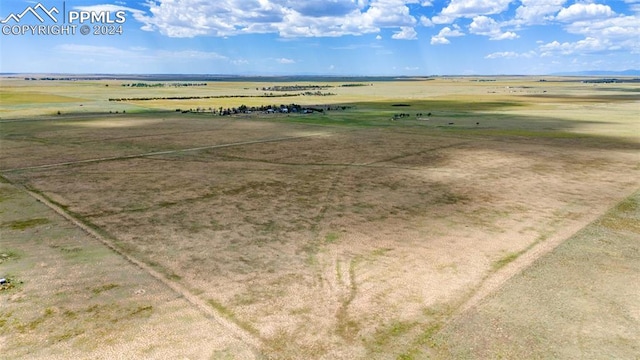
column 267, row 109
column 403, row 115
column 197, row 97
column 145, row 85
column 295, row 87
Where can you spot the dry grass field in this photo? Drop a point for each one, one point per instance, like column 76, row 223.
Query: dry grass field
column 344, row 234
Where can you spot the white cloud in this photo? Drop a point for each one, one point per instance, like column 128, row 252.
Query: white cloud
column 286, row 61
column 288, row 18
column 425, row 21
column 469, row 9
column 405, row 33
column 533, row 12
column 587, row 45
column 598, row 25
column 444, row 34
column 617, row 27
column 620, row 33
column 191, row 55
column 483, row 25
column 581, row 11
column 510, row 55
column 634, row 5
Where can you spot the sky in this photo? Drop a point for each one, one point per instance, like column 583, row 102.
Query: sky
column 320, row 37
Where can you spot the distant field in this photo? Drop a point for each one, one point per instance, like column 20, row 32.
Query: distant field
column 370, row 229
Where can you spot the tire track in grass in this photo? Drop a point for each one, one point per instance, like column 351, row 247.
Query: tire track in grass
column 252, row 340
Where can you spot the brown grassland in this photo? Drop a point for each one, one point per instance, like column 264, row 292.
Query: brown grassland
column 498, row 219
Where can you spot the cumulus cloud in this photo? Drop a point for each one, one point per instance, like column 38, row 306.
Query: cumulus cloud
column 483, row 25
column 532, row 12
column 403, row 18
column 588, row 45
column 584, row 11
column 620, row 32
column 405, row 33
column 288, row 18
column 469, row 9
column 425, row 21
column 444, row 34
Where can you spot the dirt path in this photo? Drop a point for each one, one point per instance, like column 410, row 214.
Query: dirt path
column 239, row 333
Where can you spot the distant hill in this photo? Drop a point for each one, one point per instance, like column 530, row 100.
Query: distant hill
column 600, row 73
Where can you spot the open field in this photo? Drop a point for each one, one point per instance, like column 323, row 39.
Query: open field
column 338, row 234
column 564, row 316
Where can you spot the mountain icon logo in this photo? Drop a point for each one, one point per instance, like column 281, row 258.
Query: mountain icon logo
column 34, row 11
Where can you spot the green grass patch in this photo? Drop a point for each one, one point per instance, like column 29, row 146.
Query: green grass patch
column 145, row 309
column 103, row 288
column 6, row 193
column 391, row 332
column 505, row 260
column 29, row 98
column 468, row 104
column 331, row 238
column 25, row 224
column 628, row 205
column 624, row 216
column 8, row 256
column 229, row 314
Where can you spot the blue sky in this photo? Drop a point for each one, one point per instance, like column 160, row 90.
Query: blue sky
column 329, row 37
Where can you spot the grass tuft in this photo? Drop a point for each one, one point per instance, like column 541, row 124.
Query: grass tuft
column 505, row 260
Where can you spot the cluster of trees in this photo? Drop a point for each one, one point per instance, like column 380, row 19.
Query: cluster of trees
column 295, row 87
column 140, row 84
column 244, row 109
column 610, row 81
column 402, row 115
column 317, row 93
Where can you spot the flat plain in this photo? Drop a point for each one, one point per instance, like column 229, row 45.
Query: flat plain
column 444, row 218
